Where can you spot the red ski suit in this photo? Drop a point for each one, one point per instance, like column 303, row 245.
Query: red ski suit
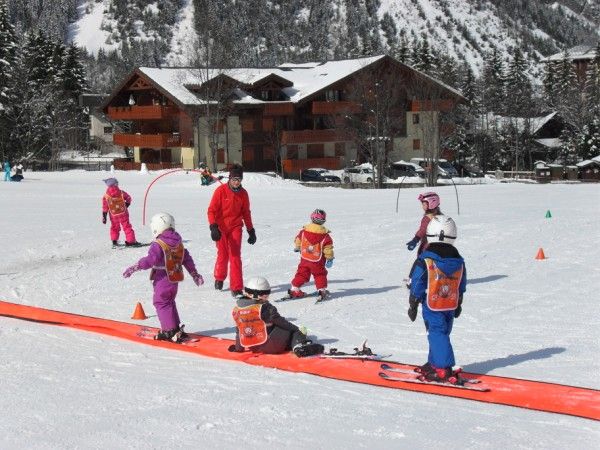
column 318, row 238
column 118, row 220
column 230, row 210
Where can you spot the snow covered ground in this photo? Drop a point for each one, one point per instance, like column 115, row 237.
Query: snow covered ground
column 525, row 318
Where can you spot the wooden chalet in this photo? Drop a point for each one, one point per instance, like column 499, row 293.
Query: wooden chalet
column 580, row 56
column 173, row 117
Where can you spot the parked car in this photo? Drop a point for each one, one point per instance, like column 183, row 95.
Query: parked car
column 444, row 168
column 358, row 175
column 468, row 171
column 318, row 174
column 401, row 169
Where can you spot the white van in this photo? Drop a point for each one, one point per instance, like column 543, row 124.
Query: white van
column 444, row 168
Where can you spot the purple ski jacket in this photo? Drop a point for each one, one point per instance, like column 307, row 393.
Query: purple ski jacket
column 156, row 257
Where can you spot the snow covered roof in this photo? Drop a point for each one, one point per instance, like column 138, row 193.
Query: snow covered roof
column 304, row 79
column 535, row 123
column 574, row 53
column 550, row 142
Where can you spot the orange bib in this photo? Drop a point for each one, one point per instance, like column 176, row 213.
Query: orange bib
column 311, row 252
column 251, row 328
column 173, row 261
column 116, row 205
column 442, row 290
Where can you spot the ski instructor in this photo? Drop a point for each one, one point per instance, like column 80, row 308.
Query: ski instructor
column 229, row 209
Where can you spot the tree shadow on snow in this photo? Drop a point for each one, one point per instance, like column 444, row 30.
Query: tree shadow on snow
column 216, row 331
column 486, row 279
column 512, row 360
column 364, row 291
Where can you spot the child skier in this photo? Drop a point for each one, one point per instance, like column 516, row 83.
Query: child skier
column 316, row 255
column 430, row 203
column 115, row 203
column 260, row 328
column 166, row 257
column 439, row 281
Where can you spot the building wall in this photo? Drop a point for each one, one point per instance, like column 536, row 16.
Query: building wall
column 426, row 132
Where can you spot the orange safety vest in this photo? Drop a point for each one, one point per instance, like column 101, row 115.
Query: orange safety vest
column 251, row 328
column 442, row 290
column 173, row 261
column 116, row 205
column 311, row 252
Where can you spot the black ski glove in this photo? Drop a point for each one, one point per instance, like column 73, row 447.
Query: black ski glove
column 413, row 308
column 232, row 348
column 127, row 205
column 215, row 234
column 251, row 236
column 104, row 217
column 458, row 309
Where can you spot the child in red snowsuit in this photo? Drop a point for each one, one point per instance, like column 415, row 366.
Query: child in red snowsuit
column 316, row 253
column 114, row 204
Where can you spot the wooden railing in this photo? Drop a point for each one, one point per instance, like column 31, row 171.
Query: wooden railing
column 136, row 112
column 312, row 136
column 279, row 109
column 162, row 140
column 330, row 108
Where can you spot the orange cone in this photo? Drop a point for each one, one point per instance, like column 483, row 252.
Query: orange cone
column 139, row 313
column 540, row 254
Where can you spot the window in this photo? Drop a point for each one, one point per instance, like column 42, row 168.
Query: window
column 332, row 95
column 108, row 130
column 315, row 151
column 416, row 144
column 416, row 119
column 265, row 94
column 340, row 149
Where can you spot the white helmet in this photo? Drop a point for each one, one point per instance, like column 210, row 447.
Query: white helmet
column 160, row 222
column 441, row 229
column 257, row 287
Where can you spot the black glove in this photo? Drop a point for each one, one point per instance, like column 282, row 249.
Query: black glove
column 458, row 309
column 232, row 348
column 251, row 236
column 413, row 308
column 215, row 234
column 127, row 205
column 104, row 217
column 412, row 244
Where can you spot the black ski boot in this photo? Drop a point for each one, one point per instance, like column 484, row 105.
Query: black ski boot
column 173, row 335
column 132, row 244
column 308, row 349
column 237, row 294
column 218, row 285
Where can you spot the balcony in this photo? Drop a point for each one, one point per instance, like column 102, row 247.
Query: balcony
column 135, row 112
column 313, row 136
column 432, row 105
column 163, row 140
column 279, row 109
column 331, row 108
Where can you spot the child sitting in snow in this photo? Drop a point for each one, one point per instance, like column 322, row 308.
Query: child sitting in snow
column 316, row 255
column 115, row 204
column 430, row 203
column 260, row 328
column 439, row 281
column 166, row 257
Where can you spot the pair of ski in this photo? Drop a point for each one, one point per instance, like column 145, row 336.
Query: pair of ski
column 148, row 333
column 123, row 246
column 415, row 377
column 321, row 297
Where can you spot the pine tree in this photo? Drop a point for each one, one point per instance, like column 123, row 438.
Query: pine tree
column 8, row 59
column 494, row 82
column 588, row 146
column 519, row 100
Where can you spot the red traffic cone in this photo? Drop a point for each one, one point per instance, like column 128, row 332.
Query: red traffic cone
column 540, row 254
column 139, row 313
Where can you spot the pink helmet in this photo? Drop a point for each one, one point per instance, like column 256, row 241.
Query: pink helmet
column 318, row 216
column 432, row 199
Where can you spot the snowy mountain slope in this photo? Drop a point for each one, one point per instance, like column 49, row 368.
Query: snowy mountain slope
column 522, row 318
column 463, row 29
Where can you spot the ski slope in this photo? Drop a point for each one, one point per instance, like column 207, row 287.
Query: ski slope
column 522, row 318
